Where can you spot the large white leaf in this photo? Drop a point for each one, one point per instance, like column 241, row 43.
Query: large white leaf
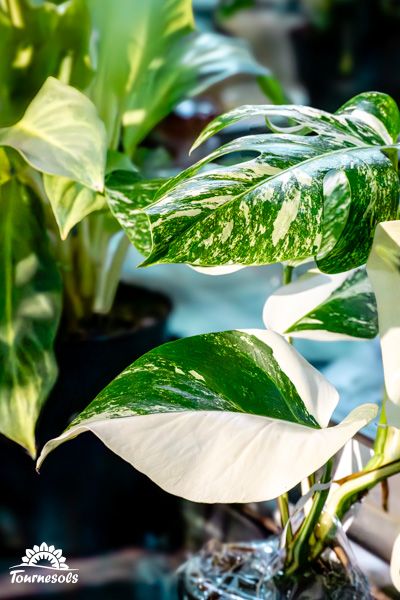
column 383, row 268
column 61, row 134
column 226, row 417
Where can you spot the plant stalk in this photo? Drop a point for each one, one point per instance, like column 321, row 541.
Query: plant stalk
column 283, row 500
column 299, row 551
column 351, row 489
column 283, row 505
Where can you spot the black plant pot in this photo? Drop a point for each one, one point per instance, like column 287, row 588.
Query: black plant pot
column 87, row 500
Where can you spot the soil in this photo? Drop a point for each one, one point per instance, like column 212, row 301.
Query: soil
column 135, row 308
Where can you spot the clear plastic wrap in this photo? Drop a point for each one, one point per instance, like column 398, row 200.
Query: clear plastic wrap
column 253, row 571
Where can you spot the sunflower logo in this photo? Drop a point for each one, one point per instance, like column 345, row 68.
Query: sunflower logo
column 44, row 556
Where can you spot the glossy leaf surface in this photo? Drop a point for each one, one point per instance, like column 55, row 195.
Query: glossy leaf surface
column 227, row 417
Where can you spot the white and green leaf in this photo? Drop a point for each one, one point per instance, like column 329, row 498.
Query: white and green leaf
column 324, row 307
column 61, row 134
column 302, row 196
column 127, row 193
column 383, row 268
column 237, row 416
column 30, row 307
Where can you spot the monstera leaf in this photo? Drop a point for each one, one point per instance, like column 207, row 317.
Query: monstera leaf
column 30, row 306
column 383, row 268
column 226, row 417
column 61, row 134
column 127, row 193
column 324, row 307
column 301, row 196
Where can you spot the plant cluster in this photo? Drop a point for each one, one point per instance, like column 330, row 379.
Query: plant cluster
column 241, row 416
column 82, row 83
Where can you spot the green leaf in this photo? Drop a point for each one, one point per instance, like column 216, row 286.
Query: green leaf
column 302, row 196
column 188, row 66
column 30, row 306
column 131, row 38
column 61, row 134
column 71, row 201
column 127, row 193
column 324, row 307
column 383, row 268
column 46, row 40
column 205, row 417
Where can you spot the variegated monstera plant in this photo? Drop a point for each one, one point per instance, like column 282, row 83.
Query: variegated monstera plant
column 241, row 416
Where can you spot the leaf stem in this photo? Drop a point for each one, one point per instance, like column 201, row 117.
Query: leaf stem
column 287, row 274
column 299, row 551
column 283, row 506
column 351, row 489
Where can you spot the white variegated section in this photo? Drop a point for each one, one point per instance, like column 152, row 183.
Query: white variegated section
column 318, row 395
column 213, row 456
column 395, row 564
column 293, row 301
column 383, row 268
column 215, row 271
column 374, row 123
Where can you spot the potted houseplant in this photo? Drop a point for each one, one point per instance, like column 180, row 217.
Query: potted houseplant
column 74, row 112
column 82, row 83
column 241, row 416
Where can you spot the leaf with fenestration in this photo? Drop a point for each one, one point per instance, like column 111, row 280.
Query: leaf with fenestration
column 237, row 416
column 324, row 307
column 30, row 307
column 61, row 134
column 302, row 195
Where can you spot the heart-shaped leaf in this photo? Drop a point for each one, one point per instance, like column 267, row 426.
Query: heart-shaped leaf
column 302, row 196
column 61, row 134
column 226, row 417
column 324, row 307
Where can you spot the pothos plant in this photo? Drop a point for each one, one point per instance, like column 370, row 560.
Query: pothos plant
column 82, row 83
column 241, row 416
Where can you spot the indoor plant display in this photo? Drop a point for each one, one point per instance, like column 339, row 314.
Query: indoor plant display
column 82, row 85
column 240, row 416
